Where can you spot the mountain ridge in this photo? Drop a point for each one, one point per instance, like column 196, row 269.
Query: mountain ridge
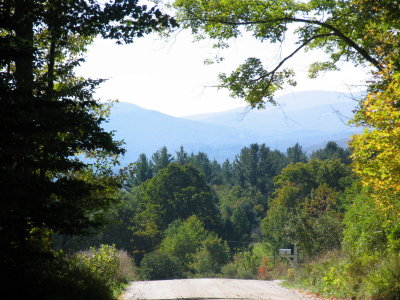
column 221, row 135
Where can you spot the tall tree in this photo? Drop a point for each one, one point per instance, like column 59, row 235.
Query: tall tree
column 142, row 171
column 161, row 159
column 255, row 167
column 306, row 209
column 227, row 175
column 48, row 115
column 333, row 151
column 210, row 169
column 296, row 154
column 182, row 157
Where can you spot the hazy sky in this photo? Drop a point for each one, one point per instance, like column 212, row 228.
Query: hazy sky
column 170, row 76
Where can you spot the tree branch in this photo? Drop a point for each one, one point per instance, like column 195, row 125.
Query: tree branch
column 336, row 32
column 305, row 43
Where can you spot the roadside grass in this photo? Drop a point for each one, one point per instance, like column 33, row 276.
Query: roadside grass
column 335, row 275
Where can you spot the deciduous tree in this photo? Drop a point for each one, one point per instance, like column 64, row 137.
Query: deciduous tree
column 176, row 192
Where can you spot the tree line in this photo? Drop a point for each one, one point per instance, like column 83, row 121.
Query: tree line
column 173, row 204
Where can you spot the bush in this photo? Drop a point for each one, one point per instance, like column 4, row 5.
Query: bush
column 52, row 276
column 236, row 271
column 158, row 265
column 183, row 239
column 229, row 271
column 384, row 281
column 210, row 258
column 250, row 264
column 358, row 277
column 112, row 267
column 102, row 262
column 322, row 275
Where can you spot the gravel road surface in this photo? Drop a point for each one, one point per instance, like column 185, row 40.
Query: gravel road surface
column 211, row 289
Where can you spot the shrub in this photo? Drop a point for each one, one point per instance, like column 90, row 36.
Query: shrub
column 250, row 264
column 357, row 277
column 210, row 258
column 158, row 265
column 229, row 271
column 102, row 262
column 111, row 267
column 324, row 275
column 383, row 282
column 54, row 276
column 183, row 239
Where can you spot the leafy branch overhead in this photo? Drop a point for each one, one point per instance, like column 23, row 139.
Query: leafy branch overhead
column 341, row 28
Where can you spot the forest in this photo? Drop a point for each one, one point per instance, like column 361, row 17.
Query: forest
column 71, row 226
column 186, row 216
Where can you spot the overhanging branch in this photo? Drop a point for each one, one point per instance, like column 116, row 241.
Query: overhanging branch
column 305, row 43
column 335, row 31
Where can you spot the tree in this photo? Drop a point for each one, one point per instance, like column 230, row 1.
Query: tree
column 343, row 29
column 182, row 157
column 183, row 239
column 201, row 162
column 376, row 156
column 176, row 192
column 48, row 116
column 210, row 169
column 242, row 221
column 241, row 211
column 158, row 266
column 211, row 256
column 306, row 209
column 255, row 167
column 142, row 171
column 365, row 233
column 227, row 176
column 296, row 154
column 332, row 151
column 364, row 32
column 161, row 159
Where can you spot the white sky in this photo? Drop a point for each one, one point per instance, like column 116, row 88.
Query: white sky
column 169, row 76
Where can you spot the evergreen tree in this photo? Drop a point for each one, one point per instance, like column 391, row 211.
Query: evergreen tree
column 182, row 157
column 210, row 170
column 296, row 154
column 49, row 115
column 227, row 173
column 255, row 167
column 142, row 171
column 332, row 151
column 161, row 159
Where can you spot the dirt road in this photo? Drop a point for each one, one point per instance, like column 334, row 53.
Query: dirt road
column 211, row 289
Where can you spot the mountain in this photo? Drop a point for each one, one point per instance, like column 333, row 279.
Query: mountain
column 145, row 131
column 296, row 111
column 310, row 118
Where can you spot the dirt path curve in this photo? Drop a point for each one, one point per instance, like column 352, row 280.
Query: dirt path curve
column 211, row 289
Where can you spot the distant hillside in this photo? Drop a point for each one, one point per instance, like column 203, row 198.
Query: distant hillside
column 145, row 131
column 309, row 118
column 294, row 112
